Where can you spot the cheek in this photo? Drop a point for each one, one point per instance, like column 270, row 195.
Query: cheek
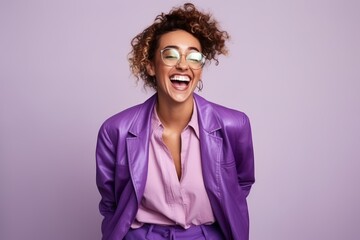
column 198, row 74
column 162, row 71
column 159, row 68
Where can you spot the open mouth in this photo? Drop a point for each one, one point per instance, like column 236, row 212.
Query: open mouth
column 180, row 82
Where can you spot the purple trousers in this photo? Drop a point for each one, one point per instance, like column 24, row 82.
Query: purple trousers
column 158, row 232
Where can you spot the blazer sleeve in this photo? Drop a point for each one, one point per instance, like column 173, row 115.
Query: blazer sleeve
column 245, row 156
column 105, row 171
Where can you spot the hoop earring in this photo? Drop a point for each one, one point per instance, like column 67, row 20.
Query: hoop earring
column 200, row 85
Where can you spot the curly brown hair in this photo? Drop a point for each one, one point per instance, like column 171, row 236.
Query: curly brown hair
column 187, row 18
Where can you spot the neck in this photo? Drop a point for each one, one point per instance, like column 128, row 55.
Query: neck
column 175, row 115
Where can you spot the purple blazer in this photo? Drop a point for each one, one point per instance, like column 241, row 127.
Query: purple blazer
column 227, row 162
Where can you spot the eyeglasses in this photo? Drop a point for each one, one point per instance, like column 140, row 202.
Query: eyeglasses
column 171, row 57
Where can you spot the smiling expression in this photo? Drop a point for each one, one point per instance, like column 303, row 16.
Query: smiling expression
column 175, row 83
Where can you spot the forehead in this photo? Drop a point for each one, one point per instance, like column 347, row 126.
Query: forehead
column 181, row 39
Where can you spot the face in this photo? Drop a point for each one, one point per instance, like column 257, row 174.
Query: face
column 176, row 84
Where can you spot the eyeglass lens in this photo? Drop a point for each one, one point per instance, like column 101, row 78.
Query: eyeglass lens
column 172, row 56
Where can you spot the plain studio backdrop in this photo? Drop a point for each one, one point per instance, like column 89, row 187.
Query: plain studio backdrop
column 293, row 67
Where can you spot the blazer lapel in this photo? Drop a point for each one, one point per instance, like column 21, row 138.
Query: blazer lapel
column 137, row 146
column 211, row 146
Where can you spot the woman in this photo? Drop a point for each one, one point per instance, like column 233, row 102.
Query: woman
column 175, row 166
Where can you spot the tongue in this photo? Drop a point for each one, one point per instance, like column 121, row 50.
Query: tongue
column 179, row 85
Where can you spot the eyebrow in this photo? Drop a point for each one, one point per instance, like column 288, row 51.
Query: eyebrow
column 176, row 47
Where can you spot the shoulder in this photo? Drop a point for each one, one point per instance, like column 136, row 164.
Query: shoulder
column 227, row 117
column 229, row 114
column 124, row 120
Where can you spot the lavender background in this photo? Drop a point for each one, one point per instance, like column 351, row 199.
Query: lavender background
column 294, row 68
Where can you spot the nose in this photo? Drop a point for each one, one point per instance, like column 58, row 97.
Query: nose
column 182, row 63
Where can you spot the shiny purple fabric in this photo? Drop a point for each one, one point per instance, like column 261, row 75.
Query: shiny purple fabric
column 159, row 232
column 227, row 163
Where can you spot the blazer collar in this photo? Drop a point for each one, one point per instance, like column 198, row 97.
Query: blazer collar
column 208, row 120
column 142, row 119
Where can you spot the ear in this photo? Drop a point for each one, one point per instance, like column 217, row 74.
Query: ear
column 150, row 68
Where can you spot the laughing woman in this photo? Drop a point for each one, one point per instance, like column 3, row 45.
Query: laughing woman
column 176, row 166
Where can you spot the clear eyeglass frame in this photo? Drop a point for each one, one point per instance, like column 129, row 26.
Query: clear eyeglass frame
column 172, row 57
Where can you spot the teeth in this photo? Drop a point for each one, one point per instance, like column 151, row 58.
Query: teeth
column 180, row 78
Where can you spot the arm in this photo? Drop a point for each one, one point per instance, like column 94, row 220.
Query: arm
column 245, row 156
column 105, row 168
